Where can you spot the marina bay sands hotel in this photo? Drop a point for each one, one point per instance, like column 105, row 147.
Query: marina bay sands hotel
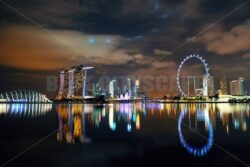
column 72, row 83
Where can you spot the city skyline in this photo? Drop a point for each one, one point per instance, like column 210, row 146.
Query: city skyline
column 117, row 83
column 74, row 85
column 113, row 36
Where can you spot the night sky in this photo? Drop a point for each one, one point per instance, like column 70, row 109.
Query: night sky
column 121, row 37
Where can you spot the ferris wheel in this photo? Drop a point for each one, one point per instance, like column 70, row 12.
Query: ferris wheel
column 194, row 56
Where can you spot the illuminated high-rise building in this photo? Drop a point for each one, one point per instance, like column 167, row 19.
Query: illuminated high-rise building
column 85, row 71
column 223, row 86
column 112, row 89
column 129, row 85
column 96, row 88
column 73, row 83
column 61, row 85
column 71, row 89
column 191, row 86
column 65, row 84
column 237, row 87
column 124, row 89
column 209, row 88
column 137, row 87
column 78, row 83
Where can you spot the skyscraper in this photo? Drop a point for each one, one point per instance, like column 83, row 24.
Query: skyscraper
column 71, row 90
column 72, row 83
column 137, row 86
column 96, row 88
column 78, row 83
column 223, row 86
column 129, row 85
column 111, row 88
column 65, row 84
column 191, row 86
column 209, row 88
column 237, row 87
column 84, row 70
column 61, row 86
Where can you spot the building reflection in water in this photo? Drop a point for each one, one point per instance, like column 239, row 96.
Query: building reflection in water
column 202, row 115
column 71, row 120
column 25, row 110
column 126, row 112
column 112, row 123
column 238, row 113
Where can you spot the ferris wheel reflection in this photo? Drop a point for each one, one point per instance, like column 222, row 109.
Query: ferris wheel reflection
column 194, row 150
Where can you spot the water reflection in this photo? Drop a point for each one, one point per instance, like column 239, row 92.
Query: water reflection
column 238, row 113
column 134, row 117
column 26, row 110
column 202, row 116
column 125, row 112
column 71, row 120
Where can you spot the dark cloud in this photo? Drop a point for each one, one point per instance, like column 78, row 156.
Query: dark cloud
column 219, row 6
column 143, row 30
column 226, row 43
column 16, row 78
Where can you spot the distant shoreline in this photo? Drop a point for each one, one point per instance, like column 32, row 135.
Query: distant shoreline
column 119, row 102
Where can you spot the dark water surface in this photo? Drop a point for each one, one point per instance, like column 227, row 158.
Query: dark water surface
column 125, row 134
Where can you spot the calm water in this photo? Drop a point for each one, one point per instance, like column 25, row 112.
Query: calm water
column 125, row 134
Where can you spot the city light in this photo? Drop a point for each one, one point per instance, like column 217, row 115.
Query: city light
column 124, row 83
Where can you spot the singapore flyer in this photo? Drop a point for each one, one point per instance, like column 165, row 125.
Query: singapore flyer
column 206, row 74
column 196, row 151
